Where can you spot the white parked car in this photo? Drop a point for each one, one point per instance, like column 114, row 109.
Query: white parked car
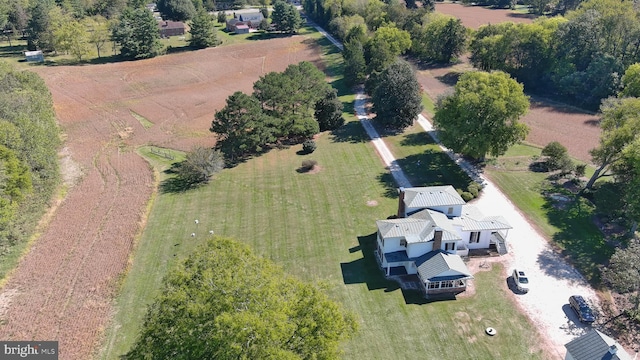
column 521, row 280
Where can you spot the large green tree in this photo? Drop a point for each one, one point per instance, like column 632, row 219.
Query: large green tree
column 285, row 17
column 203, row 31
column 224, row 302
column 328, row 111
column 72, row 37
column 15, row 183
column 241, row 127
column 620, row 126
column 627, row 177
column 441, row 39
column 631, row 81
column 481, row 116
column 137, row 34
column 177, row 10
column 397, row 99
column 387, row 43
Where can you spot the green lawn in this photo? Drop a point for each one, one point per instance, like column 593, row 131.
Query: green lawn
column 423, row 161
column 320, row 228
column 571, row 228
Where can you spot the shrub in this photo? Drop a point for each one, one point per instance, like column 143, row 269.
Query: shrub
column 308, row 164
column 309, row 146
column 557, row 157
column 474, row 189
column 580, row 170
column 466, row 196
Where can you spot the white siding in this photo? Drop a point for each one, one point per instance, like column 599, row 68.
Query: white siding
column 392, row 244
column 418, row 249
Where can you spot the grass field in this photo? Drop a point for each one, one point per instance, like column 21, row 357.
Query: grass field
column 571, row 228
column 320, row 228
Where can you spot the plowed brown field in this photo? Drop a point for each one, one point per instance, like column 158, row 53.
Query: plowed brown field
column 577, row 130
column 62, row 289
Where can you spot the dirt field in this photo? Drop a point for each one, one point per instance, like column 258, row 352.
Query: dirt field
column 475, row 16
column 62, row 290
column 548, row 121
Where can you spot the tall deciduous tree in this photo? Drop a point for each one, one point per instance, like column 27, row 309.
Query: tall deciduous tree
column 285, row 17
column 224, row 302
column 627, row 175
column 137, row 34
column 99, row 34
column 387, row 43
column 397, row 99
column 620, row 126
column 631, row 81
column 442, row 39
column 72, row 37
column 481, row 117
column 177, row 10
column 241, row 127
column 203, row 31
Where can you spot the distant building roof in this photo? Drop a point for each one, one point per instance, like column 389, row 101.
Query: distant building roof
column 166, row 24
column 253, row 17
column 595, row 345
column 430, row 196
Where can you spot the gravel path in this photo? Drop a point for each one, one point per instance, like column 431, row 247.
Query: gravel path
column 553, row 280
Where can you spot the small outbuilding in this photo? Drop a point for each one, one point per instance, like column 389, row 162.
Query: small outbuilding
column 242, row 29
column 34, row 56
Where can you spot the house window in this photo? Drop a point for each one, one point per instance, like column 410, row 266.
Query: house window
column 447, row 284
column 460, row 283
column 450, row 211
column 475, row 237
column 434, row 285
column 403, row 242
column 449, row 246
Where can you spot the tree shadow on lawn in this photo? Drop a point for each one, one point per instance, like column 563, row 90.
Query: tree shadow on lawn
column 581, row 241
column 175, row 184
column 351, row 132
column 366, row 271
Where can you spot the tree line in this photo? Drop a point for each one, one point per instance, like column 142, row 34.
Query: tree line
column 29, row 141
column 579, row 57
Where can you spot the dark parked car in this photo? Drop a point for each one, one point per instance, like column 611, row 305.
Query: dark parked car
column 582, row 309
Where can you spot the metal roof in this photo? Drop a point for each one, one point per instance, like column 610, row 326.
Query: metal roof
column 595, row 345
column 430, row 196
column 473, row 220
column 434, row 263
column 401, row 227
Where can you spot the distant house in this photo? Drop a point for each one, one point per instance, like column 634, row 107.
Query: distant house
column 34, row 56
column 171, row 28
column 252, row 19
column 595, row 345
column 433, row 229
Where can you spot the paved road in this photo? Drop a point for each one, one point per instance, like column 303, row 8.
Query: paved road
column 553, row 280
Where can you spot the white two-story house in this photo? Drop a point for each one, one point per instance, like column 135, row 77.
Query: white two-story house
column 434, row 228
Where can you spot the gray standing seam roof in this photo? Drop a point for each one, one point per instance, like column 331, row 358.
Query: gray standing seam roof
column 429, row 196
column 595, row 345
column 434, row 263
